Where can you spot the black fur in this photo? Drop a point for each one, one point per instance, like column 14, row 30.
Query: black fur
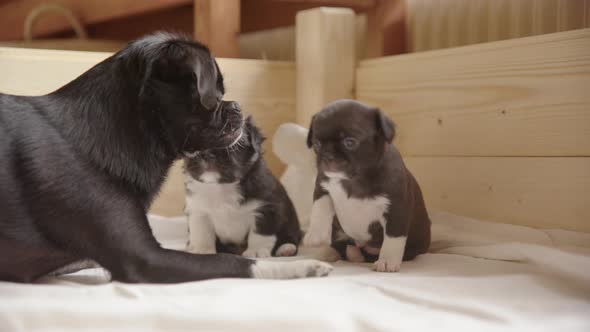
column 80, row 166
column 245, row 165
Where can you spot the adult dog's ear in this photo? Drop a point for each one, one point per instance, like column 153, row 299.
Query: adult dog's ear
column 385, row 126
column 207, row 72
column 255, row 137
column 310, row 133
column 178, row 61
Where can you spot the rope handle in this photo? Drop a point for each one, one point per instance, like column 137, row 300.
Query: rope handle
column 50, row 7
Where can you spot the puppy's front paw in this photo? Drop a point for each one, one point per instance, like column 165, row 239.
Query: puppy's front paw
column 387, row 265
column 257, row 253
column 316, row 239
column 200, row 249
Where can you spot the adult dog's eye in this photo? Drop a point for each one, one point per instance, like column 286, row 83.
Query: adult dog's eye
column 350, row 143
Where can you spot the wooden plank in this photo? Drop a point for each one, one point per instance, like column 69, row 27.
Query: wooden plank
column 537, row 192
column 222, row 38
column 13, row 14
column 325, row 57
column 521, row 97
column 265, row 89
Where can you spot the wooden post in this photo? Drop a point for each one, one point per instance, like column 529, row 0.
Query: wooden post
column 217, row 25
column 386, row 28
column 325, row 57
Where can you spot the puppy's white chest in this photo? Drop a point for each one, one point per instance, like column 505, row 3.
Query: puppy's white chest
column 220, row 203
column 355, row 214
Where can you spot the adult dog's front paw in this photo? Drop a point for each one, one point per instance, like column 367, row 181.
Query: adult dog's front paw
column 316, row 239
column 387, row 265
column 257, row 253
column 263, row 269
column 200, row 249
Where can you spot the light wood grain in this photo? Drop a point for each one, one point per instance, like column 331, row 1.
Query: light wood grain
column 537, row 192
column 265, row 89
column 325, row 58
column 521, row 97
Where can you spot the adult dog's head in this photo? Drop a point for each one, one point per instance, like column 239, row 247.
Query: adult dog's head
column 182, row 87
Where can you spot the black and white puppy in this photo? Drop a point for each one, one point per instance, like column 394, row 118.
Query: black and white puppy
column 79, row 167
column 234, row 204
column 365, row 197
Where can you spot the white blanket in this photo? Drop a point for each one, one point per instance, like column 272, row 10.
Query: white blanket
column 479, row 277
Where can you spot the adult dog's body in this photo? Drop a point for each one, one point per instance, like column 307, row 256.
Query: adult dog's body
column 79, row 167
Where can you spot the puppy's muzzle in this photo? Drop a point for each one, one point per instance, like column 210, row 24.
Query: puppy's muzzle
column 230, row 122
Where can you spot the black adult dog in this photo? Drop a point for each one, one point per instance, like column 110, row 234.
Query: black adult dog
column 80, row 166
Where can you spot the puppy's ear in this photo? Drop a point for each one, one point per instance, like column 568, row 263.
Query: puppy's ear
column 310, row 133
column 385, row 126
column 254, row 135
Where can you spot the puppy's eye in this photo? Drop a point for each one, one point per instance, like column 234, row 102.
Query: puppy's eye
column 350, row 143
column 317, row 144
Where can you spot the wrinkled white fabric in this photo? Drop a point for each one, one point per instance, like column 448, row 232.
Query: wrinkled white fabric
column 480, row 276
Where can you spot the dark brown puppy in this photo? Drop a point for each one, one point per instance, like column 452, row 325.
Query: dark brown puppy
column 79, row 167
column 364, row 195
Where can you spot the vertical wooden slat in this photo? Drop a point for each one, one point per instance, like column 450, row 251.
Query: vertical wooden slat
column 544, row 16
column 521, row 16
column 217, row 24
column 570, row 15
column 457, row 23
column 478, row 21
column 499, row 20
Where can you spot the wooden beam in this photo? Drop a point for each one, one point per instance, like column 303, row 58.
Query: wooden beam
column 335, row 3
column 519, row 97
column 269, row 14
column 217, row 24
column 13, row 14
column 325, row 58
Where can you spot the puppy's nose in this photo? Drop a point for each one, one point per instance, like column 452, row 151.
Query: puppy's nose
column 231, row 106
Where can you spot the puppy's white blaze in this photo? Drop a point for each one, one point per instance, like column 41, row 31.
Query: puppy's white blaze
column 392, row 254
column 336, row 175
column 259, row 245
column 209, row 177
column 289, row 270
column 320, row 225
column 355, row 214
column 220, row 203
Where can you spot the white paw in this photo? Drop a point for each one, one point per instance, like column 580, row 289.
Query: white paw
column 384, row 265
column 313, row 268
column 287, row 249
column 316, row 239
column 257, row 253
column 290, row 270
column 200, row 249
